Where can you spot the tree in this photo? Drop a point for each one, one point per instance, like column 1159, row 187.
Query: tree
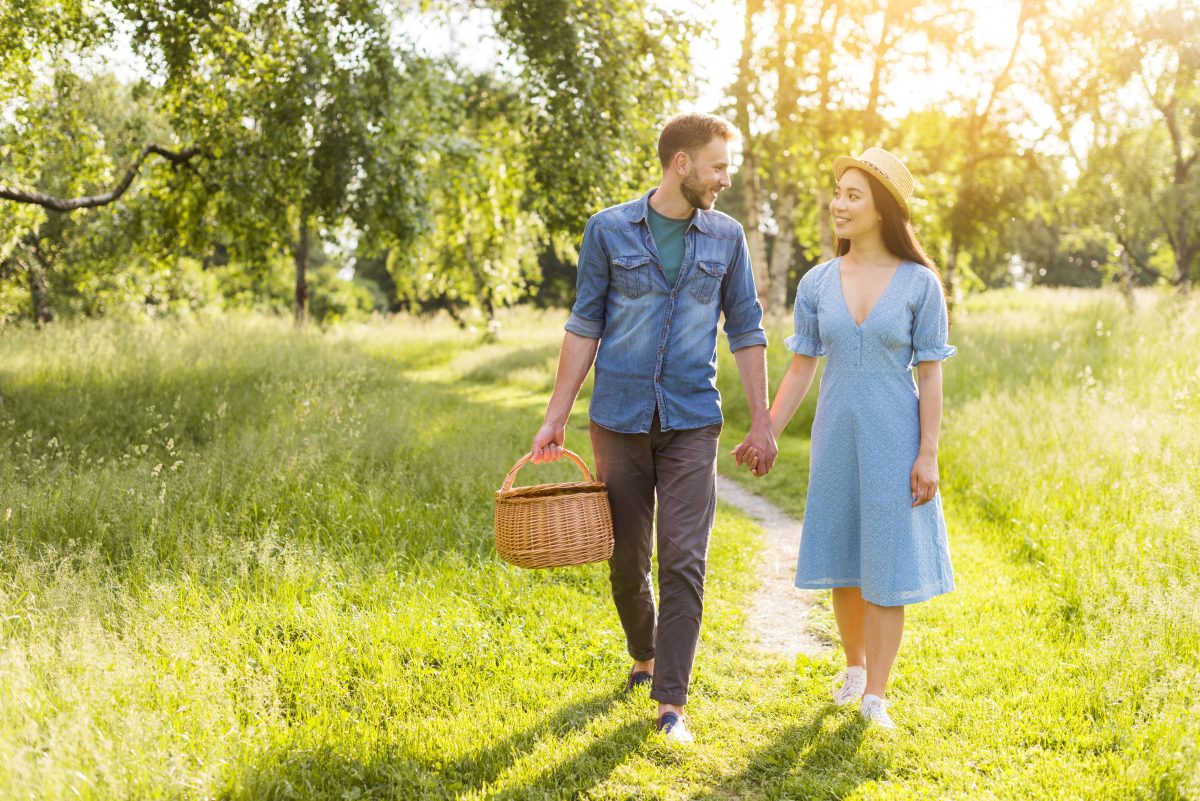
column 984, row 190
column 52, row 137
column 1130, row 74
column 784, row 97
column 813, row 84
column 600, row 77
column 66, row 136
column 482, row 242
column 292, row 99
column 745, row 92
column 515, row 166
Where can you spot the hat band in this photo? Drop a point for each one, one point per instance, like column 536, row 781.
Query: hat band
column 881, row 171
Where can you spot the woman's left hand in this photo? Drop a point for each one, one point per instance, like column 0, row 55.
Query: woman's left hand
column 924, row 479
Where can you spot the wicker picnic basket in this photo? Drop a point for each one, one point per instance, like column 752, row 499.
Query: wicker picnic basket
column 553, row 525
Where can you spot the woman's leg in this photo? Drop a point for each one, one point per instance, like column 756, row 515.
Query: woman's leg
column 883, row 626
column 850, row 609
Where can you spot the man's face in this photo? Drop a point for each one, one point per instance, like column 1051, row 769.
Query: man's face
column 708, row 173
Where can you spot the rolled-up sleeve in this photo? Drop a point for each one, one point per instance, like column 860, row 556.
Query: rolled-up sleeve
column 931, row 323
column 739, row 301
column 591, row 287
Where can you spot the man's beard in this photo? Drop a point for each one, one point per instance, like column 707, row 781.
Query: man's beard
column 694, row 191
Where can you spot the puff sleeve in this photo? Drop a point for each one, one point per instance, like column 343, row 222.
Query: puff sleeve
column 931, row 323
column 806, row 339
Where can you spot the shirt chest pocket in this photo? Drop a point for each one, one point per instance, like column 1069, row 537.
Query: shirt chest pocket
column 706, row 280
column 631, row 275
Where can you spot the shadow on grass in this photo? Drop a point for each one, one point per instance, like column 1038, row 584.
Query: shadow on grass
column 486, row 765
column 396, row 772
column 574, row 777
column 497, row 371
column 805, row 761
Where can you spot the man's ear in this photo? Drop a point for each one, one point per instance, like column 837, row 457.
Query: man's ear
column 681, row 163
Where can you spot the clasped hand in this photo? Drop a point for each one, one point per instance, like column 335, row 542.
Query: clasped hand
column 757, row 451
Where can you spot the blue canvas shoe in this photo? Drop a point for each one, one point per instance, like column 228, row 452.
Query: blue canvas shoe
column 638, row 678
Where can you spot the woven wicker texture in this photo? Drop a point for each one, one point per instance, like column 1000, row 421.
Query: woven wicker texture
column 553, row 525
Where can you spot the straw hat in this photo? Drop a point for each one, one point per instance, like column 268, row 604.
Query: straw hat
column 881, row 164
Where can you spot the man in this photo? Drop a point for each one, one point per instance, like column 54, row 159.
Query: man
column 655, row 274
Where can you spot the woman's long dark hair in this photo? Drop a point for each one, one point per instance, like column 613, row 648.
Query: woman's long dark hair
column 898, row 234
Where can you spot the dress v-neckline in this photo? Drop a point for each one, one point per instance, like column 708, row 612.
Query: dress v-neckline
column 882, row 295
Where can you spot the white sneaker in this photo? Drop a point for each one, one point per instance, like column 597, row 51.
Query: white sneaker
column 853, row 681
column 874, row 710
column 672, row 725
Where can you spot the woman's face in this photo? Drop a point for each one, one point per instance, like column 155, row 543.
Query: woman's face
column 853, row 207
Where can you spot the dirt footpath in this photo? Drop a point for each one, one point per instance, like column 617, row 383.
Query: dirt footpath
column 780, row 612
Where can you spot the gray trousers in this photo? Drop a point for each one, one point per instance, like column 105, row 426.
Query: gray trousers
column 680, row 467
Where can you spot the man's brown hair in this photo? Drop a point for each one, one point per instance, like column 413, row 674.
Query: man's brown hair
column 689, row 132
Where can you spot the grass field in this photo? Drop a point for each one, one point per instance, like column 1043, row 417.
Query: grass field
column 238, row 561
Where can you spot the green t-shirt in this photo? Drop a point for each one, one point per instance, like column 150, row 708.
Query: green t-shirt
column 668, row 238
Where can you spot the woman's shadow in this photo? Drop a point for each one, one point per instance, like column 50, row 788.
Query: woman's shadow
column 806, row 760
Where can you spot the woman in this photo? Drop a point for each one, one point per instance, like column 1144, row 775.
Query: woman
column 873, row 526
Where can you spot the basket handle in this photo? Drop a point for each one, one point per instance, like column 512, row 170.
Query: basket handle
column 524, row 460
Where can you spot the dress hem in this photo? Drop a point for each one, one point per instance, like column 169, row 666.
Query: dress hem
column 902, row 599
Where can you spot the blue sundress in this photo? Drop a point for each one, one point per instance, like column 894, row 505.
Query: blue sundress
column 860, row 528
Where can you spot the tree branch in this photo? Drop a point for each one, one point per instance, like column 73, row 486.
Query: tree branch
column 1002, row 80
column 69, row 204
column 1166, row 227
column 1138, row 262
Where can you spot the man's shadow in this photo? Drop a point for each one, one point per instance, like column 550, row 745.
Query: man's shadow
column 574, row 777
column 289, row 771
column 486, row 765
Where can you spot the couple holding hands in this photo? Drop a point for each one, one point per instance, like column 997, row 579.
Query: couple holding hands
column 655, row 276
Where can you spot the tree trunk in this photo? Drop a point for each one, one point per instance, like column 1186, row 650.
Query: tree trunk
column 1185, row 250
column 872, row 122
column 751, row 186
column 824, row 225
column 301, row 259
column 781, row 252
column 752, row 223
column 948, row 275
column 1185, row 256
column 1125, row 280
column 827, row 128
column 483, row 291
column 38, row 292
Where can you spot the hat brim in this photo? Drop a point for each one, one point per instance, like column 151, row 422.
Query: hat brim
column 843, row 163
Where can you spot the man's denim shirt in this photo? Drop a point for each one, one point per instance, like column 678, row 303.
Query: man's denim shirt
column 658, row 343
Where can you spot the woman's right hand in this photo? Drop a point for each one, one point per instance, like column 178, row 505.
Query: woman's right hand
column 748, row 455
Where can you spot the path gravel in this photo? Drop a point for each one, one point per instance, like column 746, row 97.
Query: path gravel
column 779, row 614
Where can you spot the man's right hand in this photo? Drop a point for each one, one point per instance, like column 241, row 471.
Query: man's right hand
column 547, row 444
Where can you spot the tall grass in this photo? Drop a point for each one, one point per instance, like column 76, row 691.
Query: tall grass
column 1076, row 446
column 1070, row 460
column 240, row 561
